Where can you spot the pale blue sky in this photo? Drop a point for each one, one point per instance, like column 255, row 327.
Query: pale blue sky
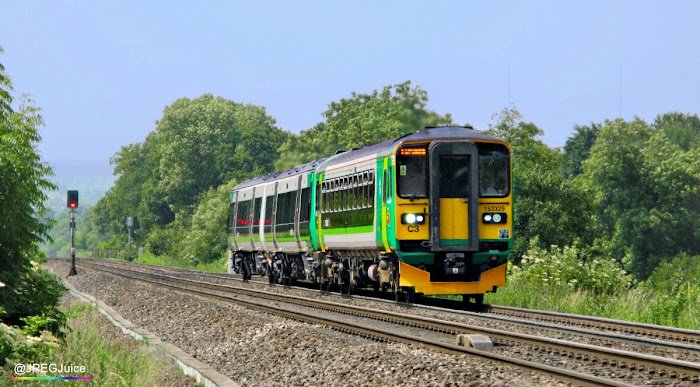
column 103, row 71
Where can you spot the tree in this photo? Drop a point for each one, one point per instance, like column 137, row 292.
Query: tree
column 197, row 146
column 681, row 129
column 207, row 141
column 646, row 185
column 23, row 177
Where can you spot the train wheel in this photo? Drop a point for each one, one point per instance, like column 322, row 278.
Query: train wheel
column 245, row 270
column 478, row 302
column 410, row 295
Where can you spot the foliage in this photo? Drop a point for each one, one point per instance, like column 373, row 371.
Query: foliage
column 572, row 266
column 16, row 346
column 676, row 286
column 647, row 190
column 206, row 238
column 198, row 145
column 207, row 141
column 362, row 119
column 36, row 292
column 674, row 275
column 578, row 147
column 26, row 291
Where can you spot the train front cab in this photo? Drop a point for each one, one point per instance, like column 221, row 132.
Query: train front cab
column 445, row 243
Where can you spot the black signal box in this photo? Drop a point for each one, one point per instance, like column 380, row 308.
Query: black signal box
column 72, row 199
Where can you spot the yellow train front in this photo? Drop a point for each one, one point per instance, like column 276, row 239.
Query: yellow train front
column 428, row 213
column 447, row 213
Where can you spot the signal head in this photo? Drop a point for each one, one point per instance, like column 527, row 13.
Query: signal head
column 72, row 199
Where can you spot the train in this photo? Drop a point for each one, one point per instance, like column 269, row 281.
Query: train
column 428, row 213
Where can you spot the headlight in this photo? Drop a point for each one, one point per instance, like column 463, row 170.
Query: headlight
column 494, row 218
column 413, row 218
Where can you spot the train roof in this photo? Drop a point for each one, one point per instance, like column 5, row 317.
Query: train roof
column 425, row 134
column 295, row 171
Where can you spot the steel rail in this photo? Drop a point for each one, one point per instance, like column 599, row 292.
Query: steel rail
column 686, row 336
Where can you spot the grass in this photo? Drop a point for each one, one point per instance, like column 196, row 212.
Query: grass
column 109, row 361
column 635, row 304
column 218, row 266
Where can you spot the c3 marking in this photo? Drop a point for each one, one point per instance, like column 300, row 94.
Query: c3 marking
column 413, row 229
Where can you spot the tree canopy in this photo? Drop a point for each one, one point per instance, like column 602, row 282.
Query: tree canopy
column 646, row 180
column 23, row 179
column 198, row 145
column 362, row 119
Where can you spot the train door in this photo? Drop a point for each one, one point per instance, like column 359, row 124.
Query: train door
column 454, row 196
column 297, row 212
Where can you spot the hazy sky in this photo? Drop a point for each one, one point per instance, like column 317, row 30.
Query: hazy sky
column 103, row 71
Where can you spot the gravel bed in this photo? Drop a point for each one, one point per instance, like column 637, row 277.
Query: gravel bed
column 255, row 348
column 462, row 318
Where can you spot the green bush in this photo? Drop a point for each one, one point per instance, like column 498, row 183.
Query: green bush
column 675, row 286
column 18, row 347
column 35, row 293
column 572, row 267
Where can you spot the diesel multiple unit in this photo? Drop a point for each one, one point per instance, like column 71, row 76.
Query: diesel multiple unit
column 427, row 213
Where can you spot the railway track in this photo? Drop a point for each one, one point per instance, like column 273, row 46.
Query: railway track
column 511, row 347
column 671, row 342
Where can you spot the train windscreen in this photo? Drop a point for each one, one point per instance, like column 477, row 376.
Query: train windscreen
column 412, row 172
column 494, row 167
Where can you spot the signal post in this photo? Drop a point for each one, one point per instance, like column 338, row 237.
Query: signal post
column 72, row 204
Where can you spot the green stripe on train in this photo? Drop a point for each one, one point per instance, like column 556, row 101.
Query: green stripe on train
column 348, row 230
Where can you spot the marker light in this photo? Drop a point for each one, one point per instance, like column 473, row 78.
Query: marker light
column 413, row 218
column 494, row 218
